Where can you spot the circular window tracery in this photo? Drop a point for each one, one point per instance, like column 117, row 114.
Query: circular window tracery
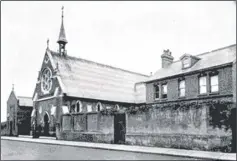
column 46, row 81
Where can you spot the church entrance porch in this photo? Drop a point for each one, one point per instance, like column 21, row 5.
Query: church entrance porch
column 46, row 125
column 10, row 128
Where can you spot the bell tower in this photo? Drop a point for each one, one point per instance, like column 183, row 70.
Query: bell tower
column 62, row 41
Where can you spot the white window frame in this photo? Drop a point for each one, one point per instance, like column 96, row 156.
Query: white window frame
column 204, row 85
column 162, row 90
column 211, row 85
column 186, row 62
column 89, row 107
column 181, row 88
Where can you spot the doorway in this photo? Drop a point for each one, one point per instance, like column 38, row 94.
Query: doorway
column 46, row 124
column 11, row 134
column 119, row 128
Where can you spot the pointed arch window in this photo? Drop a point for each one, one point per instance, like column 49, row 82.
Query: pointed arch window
column 98, row 106
column 78, row 106
column 117, row 107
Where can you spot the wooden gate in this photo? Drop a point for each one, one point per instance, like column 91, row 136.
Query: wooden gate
column 119, row 128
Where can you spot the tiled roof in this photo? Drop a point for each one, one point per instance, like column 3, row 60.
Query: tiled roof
column 209, row 59
column 25, row 101
column 88, row 79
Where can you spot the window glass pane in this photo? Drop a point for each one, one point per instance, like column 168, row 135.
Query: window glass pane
column 214, row 88
column 203, row 89
column 182, row 84
column 164, row 87
column 186, row 65
column 214, row 80
column 186, row 62
column 202, row 81
column 182, row 92
column 89, row 108
column 156, row 91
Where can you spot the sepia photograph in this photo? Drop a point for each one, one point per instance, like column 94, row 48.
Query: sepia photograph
column 118, row 80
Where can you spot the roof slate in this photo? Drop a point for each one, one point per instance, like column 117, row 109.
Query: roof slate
column 209, row 59
column 88, row 79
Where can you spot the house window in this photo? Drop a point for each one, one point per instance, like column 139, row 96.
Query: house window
column 214, row 83
column 164, row 91
column 117, row 107
column 89, row 108
column 73, row 108
column 203, row 85
column 186, row 63
column 182, row 88
column 157, row 91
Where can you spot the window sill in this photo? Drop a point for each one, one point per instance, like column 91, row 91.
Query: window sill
column 183, row 97
column 202, row 95
column 160, row 99
column 214, row 93
column 163, row 99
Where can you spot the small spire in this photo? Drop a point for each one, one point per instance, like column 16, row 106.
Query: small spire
column 62, row 11
column 12, row 87
column 62, row 36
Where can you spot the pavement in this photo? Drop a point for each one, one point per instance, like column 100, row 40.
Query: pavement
column 129, row 148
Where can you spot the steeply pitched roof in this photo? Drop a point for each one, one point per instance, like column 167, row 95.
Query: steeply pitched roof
column 25, row 101
column 209, row 59
column 88, row 79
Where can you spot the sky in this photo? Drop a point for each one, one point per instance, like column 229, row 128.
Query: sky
column 126, row 34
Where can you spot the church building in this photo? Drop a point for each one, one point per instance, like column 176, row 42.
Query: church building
column 71, row 85
column 19, row 109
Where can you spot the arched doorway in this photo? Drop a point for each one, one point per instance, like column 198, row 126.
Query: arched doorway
column 46, row 124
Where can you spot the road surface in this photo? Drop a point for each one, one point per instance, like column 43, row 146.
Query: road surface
column 18, row 150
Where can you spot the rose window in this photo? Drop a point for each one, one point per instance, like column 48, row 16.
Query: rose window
column 46, row 81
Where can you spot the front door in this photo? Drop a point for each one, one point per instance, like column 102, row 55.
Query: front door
column 119, row 128
column 46, row 125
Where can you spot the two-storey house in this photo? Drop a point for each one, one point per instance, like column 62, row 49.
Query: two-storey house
column 193, row 98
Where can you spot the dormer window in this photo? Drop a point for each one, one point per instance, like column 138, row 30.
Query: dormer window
column 186, row 62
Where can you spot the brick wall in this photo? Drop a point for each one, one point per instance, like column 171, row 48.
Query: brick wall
column 88, row 122
column 92, row 127
column 169, row 121
column 192, row 87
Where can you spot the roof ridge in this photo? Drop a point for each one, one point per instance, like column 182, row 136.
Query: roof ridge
column 208, row 52
column 24, row 97
column 104, row 65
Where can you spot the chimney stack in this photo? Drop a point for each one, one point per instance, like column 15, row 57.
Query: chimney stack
column 166, row 58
